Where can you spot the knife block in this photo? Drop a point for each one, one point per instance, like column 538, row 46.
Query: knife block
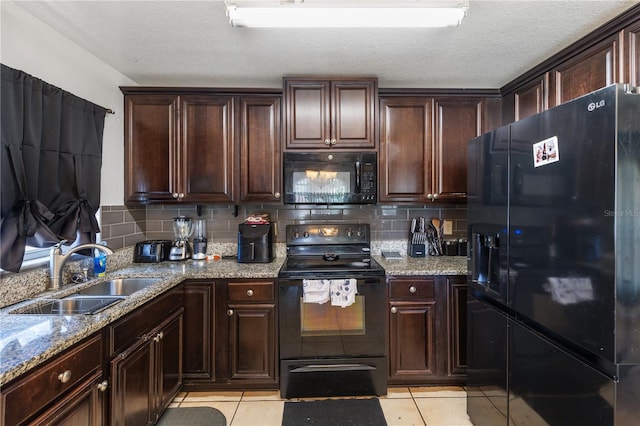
column 416, row 250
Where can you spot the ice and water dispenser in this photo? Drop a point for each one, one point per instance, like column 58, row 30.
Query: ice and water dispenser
column 485, row 257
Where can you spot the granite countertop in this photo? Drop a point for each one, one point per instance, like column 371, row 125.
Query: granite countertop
column 28, row 340
column 429, row 265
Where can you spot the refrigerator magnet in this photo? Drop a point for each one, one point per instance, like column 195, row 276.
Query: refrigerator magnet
column 546, row 152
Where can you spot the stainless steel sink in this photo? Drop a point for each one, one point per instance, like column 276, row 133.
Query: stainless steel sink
column 69, row 306
column 117, row 287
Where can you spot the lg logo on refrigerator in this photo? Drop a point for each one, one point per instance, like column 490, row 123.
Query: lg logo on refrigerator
column 595, row 105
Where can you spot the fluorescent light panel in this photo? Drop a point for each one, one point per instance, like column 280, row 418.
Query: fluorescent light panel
column 346, row 14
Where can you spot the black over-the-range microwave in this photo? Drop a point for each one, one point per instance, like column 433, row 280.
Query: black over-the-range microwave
column 330, row 177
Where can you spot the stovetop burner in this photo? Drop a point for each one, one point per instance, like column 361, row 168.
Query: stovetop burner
column 329, row 251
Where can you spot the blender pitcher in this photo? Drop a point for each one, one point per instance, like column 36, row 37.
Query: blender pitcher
column 183, row 229
column 200, row 240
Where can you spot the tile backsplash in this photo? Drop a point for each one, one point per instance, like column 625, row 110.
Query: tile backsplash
column 123, row 226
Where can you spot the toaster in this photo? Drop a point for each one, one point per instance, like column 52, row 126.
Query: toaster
column 152, row 251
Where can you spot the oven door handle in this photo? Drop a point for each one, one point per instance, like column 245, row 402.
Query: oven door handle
column 332, row 367
column 358, row 176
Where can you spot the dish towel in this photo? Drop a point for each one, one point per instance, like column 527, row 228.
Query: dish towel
column 316, row 291
column 343, row 292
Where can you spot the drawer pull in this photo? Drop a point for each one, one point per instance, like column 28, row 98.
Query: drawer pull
column 230, row 312
column 103, row 386
column 412, row 289
column 394, row 310
column 65, row 377
column 249, row 292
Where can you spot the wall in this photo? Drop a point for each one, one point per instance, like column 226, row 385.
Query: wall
column 29, row 45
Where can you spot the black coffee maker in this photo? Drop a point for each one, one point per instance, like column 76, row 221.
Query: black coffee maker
column 256, row 243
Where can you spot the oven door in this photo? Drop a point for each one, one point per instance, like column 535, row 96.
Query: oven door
column 328, row 350
column 312, row 330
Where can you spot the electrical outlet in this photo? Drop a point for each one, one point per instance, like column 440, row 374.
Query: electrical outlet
column 448, row 227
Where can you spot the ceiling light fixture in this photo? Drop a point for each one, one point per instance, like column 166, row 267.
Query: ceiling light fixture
column 346, row 14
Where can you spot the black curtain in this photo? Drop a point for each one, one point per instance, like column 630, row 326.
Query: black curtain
column 51, row 161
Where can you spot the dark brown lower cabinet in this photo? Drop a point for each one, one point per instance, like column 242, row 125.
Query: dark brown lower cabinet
column 230, row 335
column 147, row 376
column 145, row 356
column 198, row 364
column 427, row 330
column 67, row 390
column 83, row 406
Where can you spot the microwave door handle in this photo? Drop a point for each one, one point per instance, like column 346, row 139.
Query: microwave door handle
column 358, row 176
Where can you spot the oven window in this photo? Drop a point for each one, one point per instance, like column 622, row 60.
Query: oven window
column 326, row 320
column 319, row 185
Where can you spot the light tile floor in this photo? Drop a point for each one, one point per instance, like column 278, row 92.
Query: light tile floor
column 431, row 406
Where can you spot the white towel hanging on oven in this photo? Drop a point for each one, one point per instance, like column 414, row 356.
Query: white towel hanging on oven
column 316, row 291
column 343, row 292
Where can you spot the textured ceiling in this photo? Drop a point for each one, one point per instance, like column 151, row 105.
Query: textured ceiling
column 190, row 43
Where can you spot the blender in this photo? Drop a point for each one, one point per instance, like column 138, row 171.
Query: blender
column 183, row 229
column 200, row 240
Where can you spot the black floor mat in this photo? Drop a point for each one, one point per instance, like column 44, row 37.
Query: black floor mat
column 334, row 412
column 192, row 416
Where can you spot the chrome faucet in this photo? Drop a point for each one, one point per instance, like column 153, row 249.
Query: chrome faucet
column 57, row 260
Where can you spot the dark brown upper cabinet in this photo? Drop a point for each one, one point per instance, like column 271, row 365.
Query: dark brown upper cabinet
column 199, row 146
column 610, row 54
column 336, row 114
column 592, row 70
column 423, row 145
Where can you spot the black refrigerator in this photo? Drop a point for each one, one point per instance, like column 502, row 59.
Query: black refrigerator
column 554, row 266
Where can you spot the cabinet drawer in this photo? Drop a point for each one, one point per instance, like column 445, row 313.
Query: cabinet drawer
column 37, row 389
column 412, row 289
column 253, row 291
column 124, row 332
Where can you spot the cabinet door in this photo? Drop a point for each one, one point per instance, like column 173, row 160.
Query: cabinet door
column 260, row 152
column 531, row 99
column 132, row 376
column 406, row 149
column 198, row 356
column 592, row 70
column 252, row 345
column 206, row 168
column 632, row 50
column 83, row 406
column 353, row 113
column 150, row 147
column 457, row 325
column 307, row 113
column 339, row 114
column 412, row 348
column 457, row 120
column 168, row 360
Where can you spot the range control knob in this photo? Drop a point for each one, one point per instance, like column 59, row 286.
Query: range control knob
column 296, row 234
column 305, row 234
column 349, row 233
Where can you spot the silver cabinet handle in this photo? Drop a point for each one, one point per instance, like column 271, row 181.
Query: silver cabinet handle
column 249, row 292
column 158, row 337
column 181, row 195
column 412, row 289
column 333, row 141
column 174, row 195
column 327, row 142
column 103, row 386
column 276, row 195
column 394, row 310
column 230, row 312
column 65, row 376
